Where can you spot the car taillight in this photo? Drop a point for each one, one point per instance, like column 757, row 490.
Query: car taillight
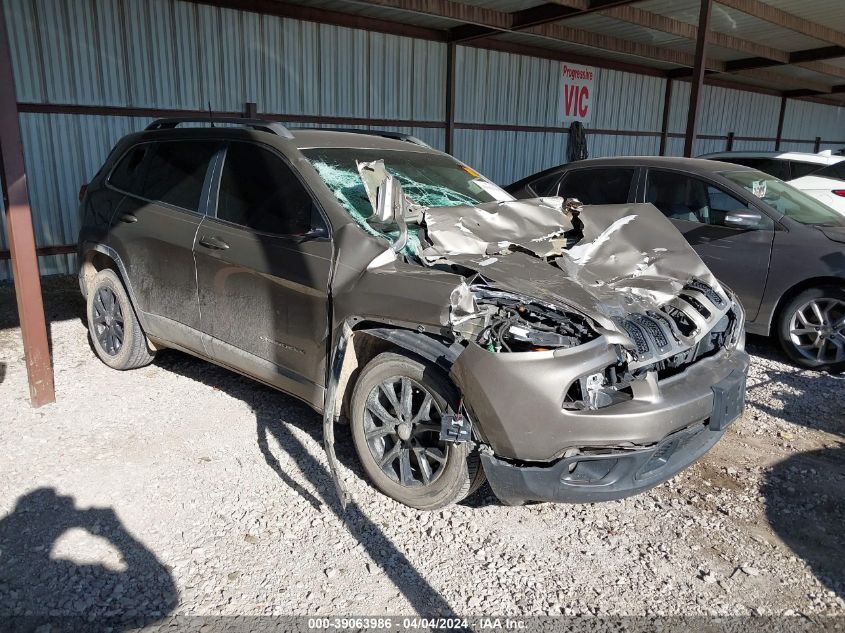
column 839, row 192
column 82, row 191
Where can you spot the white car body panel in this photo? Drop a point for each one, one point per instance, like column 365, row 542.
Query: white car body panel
column 822, row 190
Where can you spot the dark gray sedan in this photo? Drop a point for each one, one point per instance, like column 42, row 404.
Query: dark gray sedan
column 781, row 251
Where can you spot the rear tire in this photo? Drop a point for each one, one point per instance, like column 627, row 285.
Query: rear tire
column 115, row 332
column 811, row 329
column 404, row 458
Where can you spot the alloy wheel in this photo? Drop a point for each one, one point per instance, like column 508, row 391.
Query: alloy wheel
column 108, row 321
column 402, row 429
column 817, row 330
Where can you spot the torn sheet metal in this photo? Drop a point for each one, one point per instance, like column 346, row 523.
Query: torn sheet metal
column 630, row 260
column 497, row 227
column 633, row 250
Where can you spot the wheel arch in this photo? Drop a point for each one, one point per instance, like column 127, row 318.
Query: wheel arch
column 369, row 339
column 794, row 291
column 98, row 257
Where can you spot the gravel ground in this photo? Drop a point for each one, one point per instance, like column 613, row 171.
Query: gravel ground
column 183, row 488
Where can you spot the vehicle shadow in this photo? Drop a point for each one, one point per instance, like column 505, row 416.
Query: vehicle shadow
column 275, row 414
column 805, row 506
column 62, row 301
column 37, row 588
column 790, row 386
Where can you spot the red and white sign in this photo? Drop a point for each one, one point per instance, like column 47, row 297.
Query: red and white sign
column 578, row 92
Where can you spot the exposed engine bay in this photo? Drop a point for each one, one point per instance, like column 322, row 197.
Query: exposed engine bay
column 505, row 322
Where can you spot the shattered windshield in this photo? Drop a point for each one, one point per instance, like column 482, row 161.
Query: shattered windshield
column 793, row 203
column 430, row 180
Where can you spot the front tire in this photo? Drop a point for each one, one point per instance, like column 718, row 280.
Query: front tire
column 396, row 407
column 115, row 332
column 811, row 329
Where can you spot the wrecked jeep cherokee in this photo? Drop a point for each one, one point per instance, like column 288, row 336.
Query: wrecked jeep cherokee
column 566, row 354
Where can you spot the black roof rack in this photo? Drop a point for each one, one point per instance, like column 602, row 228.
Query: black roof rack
column 256, row 124
column 399, row 136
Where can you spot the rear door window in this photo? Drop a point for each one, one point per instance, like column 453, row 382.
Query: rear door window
column 601, row 185
column 260, row 192
column 176, row 172
column 172, row 172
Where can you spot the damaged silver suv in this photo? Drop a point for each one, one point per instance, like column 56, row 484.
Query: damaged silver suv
column 565, row 353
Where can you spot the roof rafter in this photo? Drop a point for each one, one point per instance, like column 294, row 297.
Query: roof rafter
column 795, row 58
column 609, row 43
column 535, row 16
column 679, row 28
column 792, row 22
column 807, row 92
column 778, row 17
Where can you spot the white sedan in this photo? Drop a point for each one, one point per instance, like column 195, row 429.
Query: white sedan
column 826, row 185
column 821, row 175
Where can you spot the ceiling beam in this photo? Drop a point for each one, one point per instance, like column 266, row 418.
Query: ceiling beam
column 679, row 28
column 479, row 18
column 600, row 41
column 535, row 16
column 468, row 14
column 807, row 92
column 824, row 69
column 796, row 57
column 761, row 52
column 518, row 48
column 772, row 77
column 324, row 16
column 778, row 17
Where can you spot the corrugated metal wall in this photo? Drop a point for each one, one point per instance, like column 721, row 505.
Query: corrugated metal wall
column 723, row 110
column 180, row 55
column 808, row 120
column 507, row 89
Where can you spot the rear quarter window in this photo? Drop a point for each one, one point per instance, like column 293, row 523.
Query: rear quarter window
column 800, row 169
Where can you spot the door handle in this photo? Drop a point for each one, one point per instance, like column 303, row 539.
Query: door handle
column 128, row 218
column 214, row 243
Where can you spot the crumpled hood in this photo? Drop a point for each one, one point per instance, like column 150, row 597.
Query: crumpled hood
column 630, row 259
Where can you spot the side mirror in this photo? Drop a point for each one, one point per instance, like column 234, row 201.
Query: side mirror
column 743, row 219
column 390, row 206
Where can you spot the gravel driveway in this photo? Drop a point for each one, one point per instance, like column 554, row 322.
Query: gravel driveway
column 183, row 488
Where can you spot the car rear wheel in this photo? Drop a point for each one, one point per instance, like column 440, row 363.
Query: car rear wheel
column 811, row 329
column 115, row 332
column 396, row 409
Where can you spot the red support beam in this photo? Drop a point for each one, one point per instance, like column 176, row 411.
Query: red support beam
column 697, row 79
column 21, row 236
column 780, row 123
column 667, row 105
column 451, row 51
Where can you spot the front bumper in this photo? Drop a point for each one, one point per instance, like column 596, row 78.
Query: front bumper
column 615, row 474
column 622, row 449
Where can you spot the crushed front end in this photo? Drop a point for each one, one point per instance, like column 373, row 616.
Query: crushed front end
column 595, row 354
column 605, row 380
column 570, row 415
